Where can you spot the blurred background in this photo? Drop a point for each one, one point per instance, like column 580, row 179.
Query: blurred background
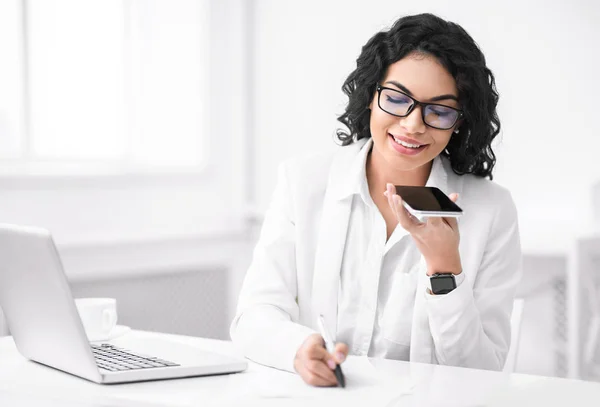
column 145, row 134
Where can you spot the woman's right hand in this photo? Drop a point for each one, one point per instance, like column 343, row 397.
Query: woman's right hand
column 315, row 365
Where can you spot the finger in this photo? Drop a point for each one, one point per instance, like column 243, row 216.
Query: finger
column 452, row 222
column 340, row 353
column 435, row 220
column 407, row 221
column 311, row 378
column 319, row 368
column 389, row 193
column 316, row 351
column 315, row 340
column 453, row 197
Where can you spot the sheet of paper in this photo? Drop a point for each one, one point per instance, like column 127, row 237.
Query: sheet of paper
column 363, row 381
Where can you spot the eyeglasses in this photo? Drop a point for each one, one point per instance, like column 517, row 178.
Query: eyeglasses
column 399, row 104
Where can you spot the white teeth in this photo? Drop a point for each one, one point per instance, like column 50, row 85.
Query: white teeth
column 402, row 143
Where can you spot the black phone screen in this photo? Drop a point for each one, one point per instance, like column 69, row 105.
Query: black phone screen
column 426, row 199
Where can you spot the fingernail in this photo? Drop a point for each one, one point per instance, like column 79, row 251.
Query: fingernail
column 340, row 357
column 331, row 364
column 385, row 193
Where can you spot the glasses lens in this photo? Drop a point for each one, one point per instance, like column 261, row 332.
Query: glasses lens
column 394, row 103
column 440, row 117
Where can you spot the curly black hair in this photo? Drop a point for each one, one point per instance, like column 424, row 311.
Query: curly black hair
column 469, row 151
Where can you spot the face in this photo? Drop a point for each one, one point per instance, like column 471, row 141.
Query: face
column 407, row 143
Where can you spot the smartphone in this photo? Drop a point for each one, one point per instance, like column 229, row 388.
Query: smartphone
column 425, row 202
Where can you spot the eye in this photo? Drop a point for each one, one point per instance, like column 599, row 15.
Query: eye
column 441, row 111
column 399, row 100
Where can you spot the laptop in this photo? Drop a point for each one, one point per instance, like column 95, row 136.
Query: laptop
column 43, row 320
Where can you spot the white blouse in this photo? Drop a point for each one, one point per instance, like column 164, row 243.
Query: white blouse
column 378, row 279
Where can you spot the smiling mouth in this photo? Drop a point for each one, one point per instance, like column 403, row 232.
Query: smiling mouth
column 405, row 144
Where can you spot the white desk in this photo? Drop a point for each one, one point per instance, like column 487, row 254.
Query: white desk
column 370, row 382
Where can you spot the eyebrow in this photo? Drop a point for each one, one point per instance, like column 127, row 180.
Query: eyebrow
column 433, row 99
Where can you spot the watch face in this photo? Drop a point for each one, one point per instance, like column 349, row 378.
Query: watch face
column 442, row 284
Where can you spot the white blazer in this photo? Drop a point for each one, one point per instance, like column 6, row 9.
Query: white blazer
column 295, row 271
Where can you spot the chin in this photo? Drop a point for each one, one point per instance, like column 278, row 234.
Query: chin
column 403, row 163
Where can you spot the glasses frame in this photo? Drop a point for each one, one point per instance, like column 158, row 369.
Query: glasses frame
column 415, row 104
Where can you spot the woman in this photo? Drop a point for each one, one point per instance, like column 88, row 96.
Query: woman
column 337, row 241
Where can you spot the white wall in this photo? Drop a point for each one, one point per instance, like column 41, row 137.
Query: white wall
column 543, row 54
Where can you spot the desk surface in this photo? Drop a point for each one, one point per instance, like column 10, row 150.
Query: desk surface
column 371, row 382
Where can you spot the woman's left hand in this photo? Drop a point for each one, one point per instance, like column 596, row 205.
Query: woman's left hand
column 436, row 238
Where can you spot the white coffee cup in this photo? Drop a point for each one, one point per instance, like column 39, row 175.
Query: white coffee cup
column 98, row 315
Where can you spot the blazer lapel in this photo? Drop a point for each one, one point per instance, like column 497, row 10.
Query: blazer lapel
column 332, row 238
column 328, row 261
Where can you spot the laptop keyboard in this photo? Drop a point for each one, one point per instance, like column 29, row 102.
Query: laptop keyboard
column 115, row 359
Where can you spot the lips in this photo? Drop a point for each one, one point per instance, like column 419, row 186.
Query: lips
column 404, row 150
column 407, row 140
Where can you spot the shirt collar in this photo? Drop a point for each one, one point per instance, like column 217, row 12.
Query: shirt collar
column 356, row 179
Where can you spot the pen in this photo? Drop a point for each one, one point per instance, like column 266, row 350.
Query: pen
column 329, row 345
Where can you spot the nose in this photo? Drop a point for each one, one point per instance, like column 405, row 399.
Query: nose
column 413, row 123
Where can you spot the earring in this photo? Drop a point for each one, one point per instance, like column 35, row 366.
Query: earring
column 456, row 131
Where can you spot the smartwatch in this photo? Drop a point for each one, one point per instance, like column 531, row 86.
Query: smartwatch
column 442, row 283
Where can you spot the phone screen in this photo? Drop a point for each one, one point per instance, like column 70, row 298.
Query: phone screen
column 427, row 199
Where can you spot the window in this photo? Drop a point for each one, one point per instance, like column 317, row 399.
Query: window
column 124, row 120
column 114, row 85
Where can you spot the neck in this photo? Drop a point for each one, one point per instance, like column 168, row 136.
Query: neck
column 379, row 173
